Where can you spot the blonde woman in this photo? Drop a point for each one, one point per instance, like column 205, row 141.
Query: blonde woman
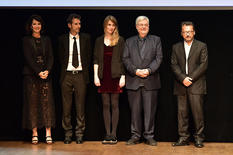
column 109, row 75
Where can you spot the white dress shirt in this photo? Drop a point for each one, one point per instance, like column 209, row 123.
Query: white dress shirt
column 187, row 50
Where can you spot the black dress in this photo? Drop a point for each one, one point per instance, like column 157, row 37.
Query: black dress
column 38, row 109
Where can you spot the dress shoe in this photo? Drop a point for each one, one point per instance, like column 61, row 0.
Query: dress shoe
column 151, row 142
column 67, row 140
column 107, row 139
column 181, row 143
column 79, row 140
column 113, row 140
column 132, row 141
column 198, row 144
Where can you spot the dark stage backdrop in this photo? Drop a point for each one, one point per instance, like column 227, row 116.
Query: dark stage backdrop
column 213, row 27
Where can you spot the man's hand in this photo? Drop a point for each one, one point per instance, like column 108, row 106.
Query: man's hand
column 187, row 81
column 142, row 73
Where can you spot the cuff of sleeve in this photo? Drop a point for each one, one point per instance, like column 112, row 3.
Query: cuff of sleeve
column 149, row 70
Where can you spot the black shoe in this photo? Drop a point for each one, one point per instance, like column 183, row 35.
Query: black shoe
column 151, row 142
column 113, row 140
column 198, row 144
column 132, row 141
column 181, row 143
column 79, row 140
column 67, row 140
column 107, row 139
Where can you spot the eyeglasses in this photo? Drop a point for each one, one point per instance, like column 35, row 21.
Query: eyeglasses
column 187, row 32
column 141, row 25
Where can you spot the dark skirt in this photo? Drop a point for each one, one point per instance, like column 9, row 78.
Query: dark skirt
column 38, row 109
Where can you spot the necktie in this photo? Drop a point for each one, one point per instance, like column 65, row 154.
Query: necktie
column 75, row 54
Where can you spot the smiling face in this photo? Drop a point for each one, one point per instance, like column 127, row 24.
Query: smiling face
column 36, row 26
column 74, row 26
column 110, row 28
column 188, row 33
column 143, row 28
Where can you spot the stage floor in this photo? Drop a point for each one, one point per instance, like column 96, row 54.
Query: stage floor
column 96, row 148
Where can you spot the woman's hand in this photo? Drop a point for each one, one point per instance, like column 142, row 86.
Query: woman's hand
column 97, row 81
column 122, row 81
column 44, row 74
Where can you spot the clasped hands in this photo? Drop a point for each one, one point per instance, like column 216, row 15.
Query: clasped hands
column 142, row 73
column 44, row 74
column 187, row 81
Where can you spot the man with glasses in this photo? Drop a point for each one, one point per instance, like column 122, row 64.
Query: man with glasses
column 142, row 57
column 189, row 62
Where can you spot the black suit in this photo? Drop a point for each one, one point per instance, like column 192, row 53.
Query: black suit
column 197, row 66
column 76, row 83
column 142, row 92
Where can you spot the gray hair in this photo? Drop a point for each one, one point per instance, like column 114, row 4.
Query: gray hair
column 140, row 18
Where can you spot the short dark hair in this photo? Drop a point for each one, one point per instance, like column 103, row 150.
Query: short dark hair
column 188, row 23
column 28, row 26
column 71, row 17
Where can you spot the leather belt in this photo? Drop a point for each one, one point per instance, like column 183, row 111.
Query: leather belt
column 74, row 72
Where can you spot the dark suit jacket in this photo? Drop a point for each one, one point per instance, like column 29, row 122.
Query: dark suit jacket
column 85, row 53
column 29, row 49
column 197, row 66
column 152, row 60
column 117, row 67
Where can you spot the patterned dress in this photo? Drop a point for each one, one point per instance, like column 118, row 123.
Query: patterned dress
column 38, row 109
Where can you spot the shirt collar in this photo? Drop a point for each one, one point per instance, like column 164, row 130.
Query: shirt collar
column 72, row 36
column 185, row 43
column 142, row 39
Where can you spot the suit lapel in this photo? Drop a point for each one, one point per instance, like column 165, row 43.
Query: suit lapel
column 192, row 49
column 66, row 44
column 183, row 55
column 137, row 52
column 81, row 45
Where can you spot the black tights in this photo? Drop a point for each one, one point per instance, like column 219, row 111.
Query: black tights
column 114, row 100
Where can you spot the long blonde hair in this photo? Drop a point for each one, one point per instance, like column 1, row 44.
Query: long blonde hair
column 115, row 35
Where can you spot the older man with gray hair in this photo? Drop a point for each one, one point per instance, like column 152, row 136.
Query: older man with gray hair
column 142, row 57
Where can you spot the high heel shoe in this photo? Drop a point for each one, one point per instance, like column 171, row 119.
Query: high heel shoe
column 49, row 140
column 34, row 139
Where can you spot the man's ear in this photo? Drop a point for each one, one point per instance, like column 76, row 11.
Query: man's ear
column 69, row 25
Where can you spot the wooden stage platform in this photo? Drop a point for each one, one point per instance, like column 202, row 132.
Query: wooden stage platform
column 96, row 148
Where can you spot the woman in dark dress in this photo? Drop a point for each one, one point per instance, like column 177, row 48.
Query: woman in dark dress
column 38, row 109
column 109, row 75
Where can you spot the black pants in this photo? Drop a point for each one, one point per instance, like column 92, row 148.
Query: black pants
column 73, row 83
column 195, row 103
column 142, row 100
